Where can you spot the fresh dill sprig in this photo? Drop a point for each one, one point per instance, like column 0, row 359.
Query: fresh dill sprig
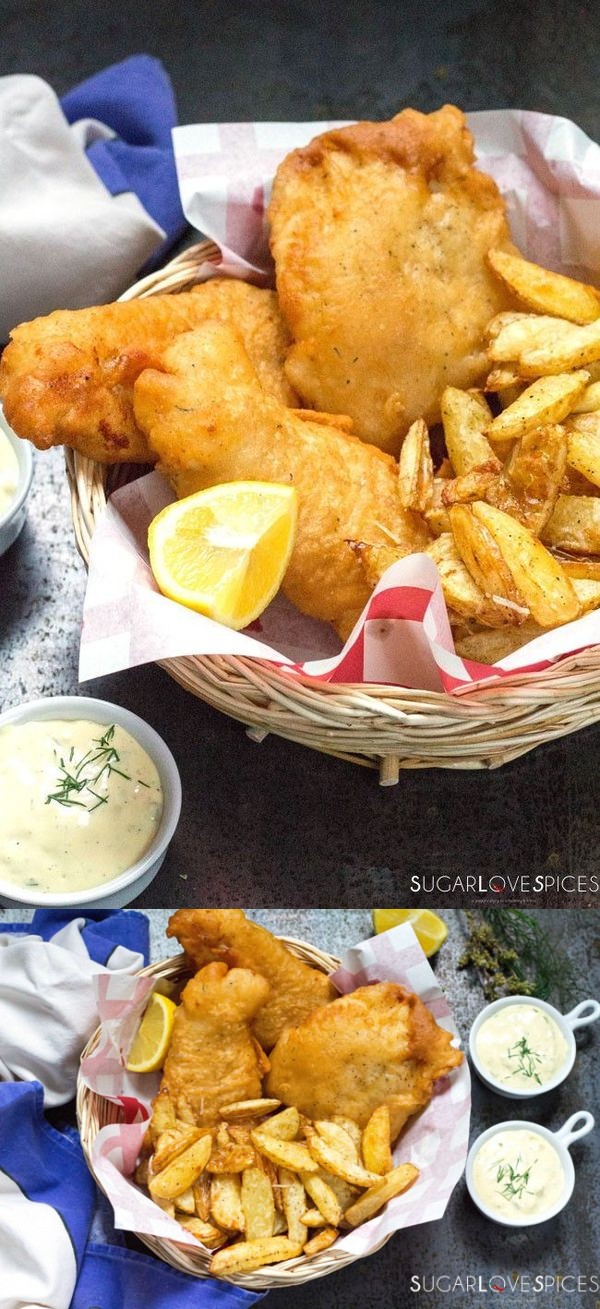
column 527, row 1059
column 77, row 777
column 514, row 955
column 515, row 1183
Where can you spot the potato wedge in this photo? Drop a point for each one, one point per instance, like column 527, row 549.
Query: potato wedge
column 313, row 1218
column 337, row 1137
column 231, row 1158
column 179, row 1175
column 294, row 1155
column 210, row 1236
column 285, row 1125
column 584, row 569
column 249, row 1108
column 337, row 1163
column 245, row 1256
column 376, row 1144
column 385, row 1189
column 485, row 562
column 489, row 647
column 546, row 589
column 352, row 1128
column 172, row 1143
column 570, row 350
column 226, row 1201
column 509, row 341
column 293, row 1196
column 534, row 473
column 504, row 380
column 141, row 1175
column 415, row 469
column 323, row 1196
column 466, row 417
column 589, row 402
column 201, row 1193
column 548, row 400
column 164, row 1118
column 587, row 592
column 583, row 437
column 257, row 1203
column 548, row 293
column 461, row 592
column 574, row 525
column 321, row 1241
column 342, row 1190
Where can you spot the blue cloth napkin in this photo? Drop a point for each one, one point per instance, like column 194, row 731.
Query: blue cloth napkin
column 47, row 1200
column 135, row 100
column 104, row 930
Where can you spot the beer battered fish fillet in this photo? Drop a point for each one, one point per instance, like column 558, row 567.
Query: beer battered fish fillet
column 380, row 233
column 209, row 420
column 213, row 1058
column 378, row 1045
column 67, row 379
column 226, row 934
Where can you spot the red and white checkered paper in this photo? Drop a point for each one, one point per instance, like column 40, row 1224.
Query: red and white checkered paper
column 549, row 172
column 436, row 1141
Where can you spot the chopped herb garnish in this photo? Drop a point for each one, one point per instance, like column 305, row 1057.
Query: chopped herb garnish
column 527, row 1059
column 515, row 1183
column 79, row 777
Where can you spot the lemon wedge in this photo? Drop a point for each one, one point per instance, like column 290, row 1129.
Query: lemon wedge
column 224, row 551
column 429, row 929
column 152, row 1038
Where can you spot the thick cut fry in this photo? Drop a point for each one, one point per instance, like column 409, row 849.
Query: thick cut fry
column 571, row 349
column 164, row 1118
column 232, row 1158
column 183, row 1171
column 470, row 486
column 549, row 293
column 294, row 1204
column 172, row 1143
column 589, row 402
column 210, row 1236
column 141, row 1176
column 376, row 1148
column 415, row 468
column 534, row 472
column 337, row 1163
column 286, row 1154
column 584, row 446
column 489, row 647
column 324, row 1197
column 245, row 1256
column 313, row 1218
column 585, row 569
column 343, row 1192
column 285, row 1126
column 321, row 1241
column 226, row 1202
column 387, row 1187
column 575, row 525
column 461, row 592
column 509, row 345
column 337, row 1137
column 257, row 1203
column 436, row 516
column 466, row 416
column 485, row 562
column 546, row 589
column 201, row 1192
column 185, row 1203
column 548, row 400
column 587, row 592
column 249, row 1108
column 352, row 1128
column 506, row 382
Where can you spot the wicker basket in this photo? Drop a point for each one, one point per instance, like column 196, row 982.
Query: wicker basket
column 384, row 727
column 94, row 1112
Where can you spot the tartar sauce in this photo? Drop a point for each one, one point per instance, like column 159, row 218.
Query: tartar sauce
column 79, row 803
column 9, row 473
column 518, row 1174
column 521, row 1046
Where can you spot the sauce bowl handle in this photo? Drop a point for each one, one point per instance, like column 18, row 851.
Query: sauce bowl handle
column 569, row 1132
column 588, row 1011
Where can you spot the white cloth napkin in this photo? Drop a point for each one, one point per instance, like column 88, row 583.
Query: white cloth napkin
column 48, row 1007
column 64, row 240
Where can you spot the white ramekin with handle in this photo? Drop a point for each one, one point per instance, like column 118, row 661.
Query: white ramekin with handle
column 584, row 1013
column 576, row 1127
column 13, row 518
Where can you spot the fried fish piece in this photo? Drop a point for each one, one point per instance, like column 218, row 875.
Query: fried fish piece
column 213, row 1058
column 209, row 420
column 380, row 233
column 378, row 1045
column 67, row 379
column 226, row 934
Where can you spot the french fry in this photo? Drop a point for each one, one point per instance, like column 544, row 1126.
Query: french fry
column 415, row 469
column 534, row 472
column 313, row 1218
column 352, row 1128
column 323, row 1196
column 385, row 1189
column 321, row 1241
column 485, row 562
column 294, row 1204
column 569, row 350
column 335, row 1162
column 179, row 1175
column 509, row 341
column 466, row 417
column 338, row 1137
column 231, row 1158
column 546, row 589
column 586, row 569
column 185, row 1203
column 584, row 446
column 589, row 402
column 436, row 516
column 574, row 525
column 587, row 592
column 504, row 380
column 461, row 592
column 164, row 1117
column 226, row 1202
column 172, row 1143
column 201, row 1193
column 257, row 1203
column 549, row 293
column 285, row 1125
column 141, row 1176
column 548, row 400
column 376, row 1145
column 245, row 1256
column 210, row 1236
column 489, row 647
column 293, row 1155
column 249, row 1108
column 279, row 1223
column 342, row 1190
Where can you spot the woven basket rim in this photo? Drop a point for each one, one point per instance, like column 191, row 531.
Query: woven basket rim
column 93, row 1112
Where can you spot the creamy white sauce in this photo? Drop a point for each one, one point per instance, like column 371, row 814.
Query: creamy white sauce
column 79, row 803
column 9, row 473
column 518, row 1174
column 521, row 1046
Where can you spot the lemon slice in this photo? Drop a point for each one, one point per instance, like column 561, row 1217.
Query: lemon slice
column 224, row 551
column 429, row 929
column 152, row 1038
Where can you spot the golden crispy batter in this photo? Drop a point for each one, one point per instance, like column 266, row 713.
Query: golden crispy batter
column 213, row 1059
column 68, row 379
column 226, row 934
column 209, row 420
column 379, row 1045
column 380, row 234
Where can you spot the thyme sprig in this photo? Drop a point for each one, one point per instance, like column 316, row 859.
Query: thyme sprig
column 516, row 1182
column 76, row 777
column 527, row 1059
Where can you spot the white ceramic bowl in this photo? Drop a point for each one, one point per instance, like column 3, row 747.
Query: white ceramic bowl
column 561, row 1141
column 584, row 1013
column 124, row 888
column 13, row 518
